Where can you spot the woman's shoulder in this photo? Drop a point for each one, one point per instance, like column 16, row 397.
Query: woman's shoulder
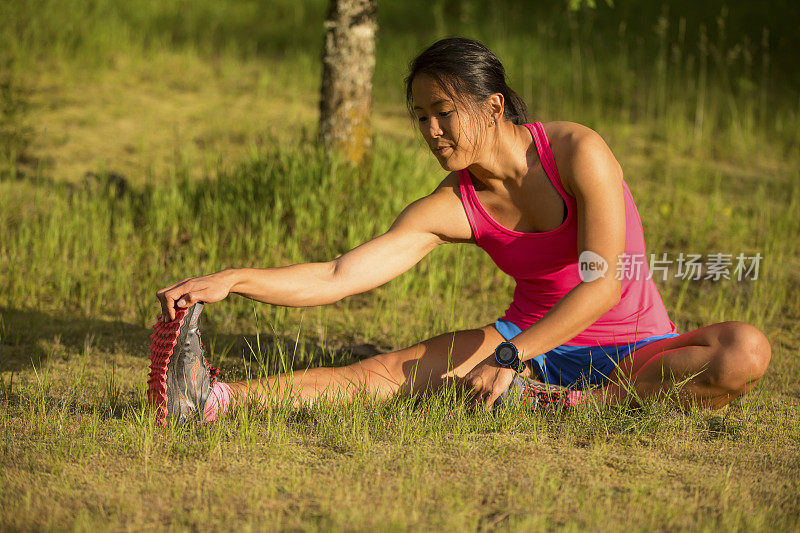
column 566, row 134
column 442, row 212
column 570, row 141
column 448, row 193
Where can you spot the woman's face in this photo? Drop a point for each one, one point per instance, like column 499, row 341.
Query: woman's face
column 451, row 135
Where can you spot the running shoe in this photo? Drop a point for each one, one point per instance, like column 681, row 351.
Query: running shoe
column 180, row 379
column 535, row 394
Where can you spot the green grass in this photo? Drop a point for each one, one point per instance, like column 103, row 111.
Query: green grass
column 208, row 113
column 73, row 448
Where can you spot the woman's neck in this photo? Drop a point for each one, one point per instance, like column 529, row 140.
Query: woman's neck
column 503, row 162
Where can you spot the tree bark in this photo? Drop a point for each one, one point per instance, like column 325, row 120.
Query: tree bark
column 348, row 61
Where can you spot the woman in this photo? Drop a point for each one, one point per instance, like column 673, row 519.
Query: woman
column 536, row 197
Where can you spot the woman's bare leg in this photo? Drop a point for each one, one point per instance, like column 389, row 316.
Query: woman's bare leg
column 718, row 363
column 423, row 366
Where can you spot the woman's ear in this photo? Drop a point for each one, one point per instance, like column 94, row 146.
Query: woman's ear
column 496, row 106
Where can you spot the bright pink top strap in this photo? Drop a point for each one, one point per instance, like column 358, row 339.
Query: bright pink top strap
column 471, row 203
column 546, row 155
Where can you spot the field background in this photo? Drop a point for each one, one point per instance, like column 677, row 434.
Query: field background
column 145, row 141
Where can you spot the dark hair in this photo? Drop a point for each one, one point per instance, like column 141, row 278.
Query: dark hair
column 466, row 67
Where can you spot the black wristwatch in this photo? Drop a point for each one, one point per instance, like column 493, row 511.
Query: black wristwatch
column 506, row 355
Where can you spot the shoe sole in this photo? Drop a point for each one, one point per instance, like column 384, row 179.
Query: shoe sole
column 534, row 398
column 534, row 394
column 551, row 397
column 163, row 341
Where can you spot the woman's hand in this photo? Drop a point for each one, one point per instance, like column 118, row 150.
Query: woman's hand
column 488, row 381
column 211, row 288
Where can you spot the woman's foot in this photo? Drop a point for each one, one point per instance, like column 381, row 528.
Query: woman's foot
column 181, row 380
column 535, row 394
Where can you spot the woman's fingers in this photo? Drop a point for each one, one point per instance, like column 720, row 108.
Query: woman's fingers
column 495, row 394
column 184, row 296
column 476, row 391
column 488, row 402
column 189, row 291
column 483, row 399
column 191, row 297
column 487, row 383
column 169, row 295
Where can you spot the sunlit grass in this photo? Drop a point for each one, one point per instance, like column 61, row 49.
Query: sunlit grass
column 450, row 464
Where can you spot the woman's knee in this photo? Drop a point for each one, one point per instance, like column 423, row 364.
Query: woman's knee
column 382, row 373
column 742, row 358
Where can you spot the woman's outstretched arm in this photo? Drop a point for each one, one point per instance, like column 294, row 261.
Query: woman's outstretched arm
column 418, row 229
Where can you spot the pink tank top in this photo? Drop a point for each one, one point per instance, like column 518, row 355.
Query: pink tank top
column 545, row 265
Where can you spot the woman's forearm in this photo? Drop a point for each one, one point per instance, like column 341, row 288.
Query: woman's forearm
column 576, row 311
column 300, row 285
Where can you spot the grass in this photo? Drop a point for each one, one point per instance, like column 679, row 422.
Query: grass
column 430, row 464
column 206, row 119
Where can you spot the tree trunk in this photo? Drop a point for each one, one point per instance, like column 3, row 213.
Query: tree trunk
column 348, row 61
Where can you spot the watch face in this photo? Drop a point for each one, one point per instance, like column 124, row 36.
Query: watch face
column 506, row 354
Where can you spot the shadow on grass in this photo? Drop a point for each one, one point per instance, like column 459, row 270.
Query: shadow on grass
column 30, row 337
column 721, row 427
column 239, row 356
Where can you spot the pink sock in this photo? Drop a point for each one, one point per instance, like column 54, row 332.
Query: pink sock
column 218, row 402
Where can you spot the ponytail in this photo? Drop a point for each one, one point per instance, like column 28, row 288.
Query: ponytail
column 515, row 109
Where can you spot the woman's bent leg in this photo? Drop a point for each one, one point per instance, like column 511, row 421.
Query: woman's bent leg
column 715, row 363
column 423, row 366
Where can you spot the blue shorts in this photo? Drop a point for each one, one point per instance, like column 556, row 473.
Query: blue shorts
column 574, row 366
